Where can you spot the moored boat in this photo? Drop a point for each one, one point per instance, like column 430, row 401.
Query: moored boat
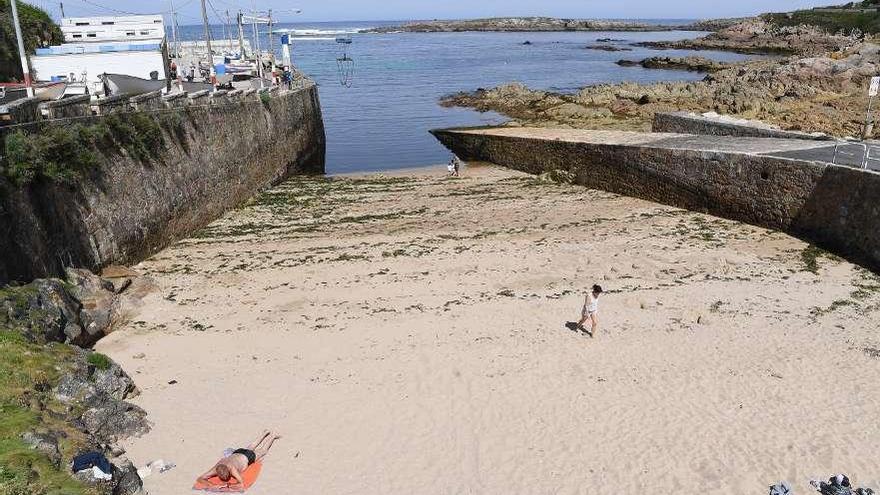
column 122, row 84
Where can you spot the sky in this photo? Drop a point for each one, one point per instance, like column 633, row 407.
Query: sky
column 366, row 10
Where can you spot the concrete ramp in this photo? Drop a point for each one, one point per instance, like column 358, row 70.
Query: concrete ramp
column 753, row 180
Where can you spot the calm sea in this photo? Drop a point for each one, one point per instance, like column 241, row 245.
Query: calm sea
column 381, row 122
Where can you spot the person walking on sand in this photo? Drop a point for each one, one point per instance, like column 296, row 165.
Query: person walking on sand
column 591, row 311
column 233, row 465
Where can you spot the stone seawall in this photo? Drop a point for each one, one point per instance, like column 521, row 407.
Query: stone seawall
column 832, row 206
column 214, row 157
column 690, row 123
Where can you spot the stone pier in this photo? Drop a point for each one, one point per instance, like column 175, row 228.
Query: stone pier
column 783, row 184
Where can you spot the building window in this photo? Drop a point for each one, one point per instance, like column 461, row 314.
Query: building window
column 82, row 23
column 157, row 21
column 129, row 33
column 78, row 35
column 107, row 23
column 144, row 33
column 91, row 35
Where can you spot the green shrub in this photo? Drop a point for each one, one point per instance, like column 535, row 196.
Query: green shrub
column 28, row 372
column 99, row 361
column 64, row 153
column 265, row 98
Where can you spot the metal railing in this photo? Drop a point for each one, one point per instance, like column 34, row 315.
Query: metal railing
column 863, row 159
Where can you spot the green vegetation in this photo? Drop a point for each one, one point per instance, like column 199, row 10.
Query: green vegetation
column 65, row 153
column 843, row 18
column 99, row 361
column 810, row 258
column 37, row 29
column 29, row 371
column 265, row 98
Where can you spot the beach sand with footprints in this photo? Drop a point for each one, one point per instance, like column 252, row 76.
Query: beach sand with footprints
column 407, row 334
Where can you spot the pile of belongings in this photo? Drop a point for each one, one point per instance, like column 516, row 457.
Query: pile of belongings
column 839, row 485
column 94, row 462
column 836, row 485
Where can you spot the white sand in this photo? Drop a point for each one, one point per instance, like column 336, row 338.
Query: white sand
column 443, row 366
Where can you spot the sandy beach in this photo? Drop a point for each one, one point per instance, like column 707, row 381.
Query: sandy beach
column 407, row 334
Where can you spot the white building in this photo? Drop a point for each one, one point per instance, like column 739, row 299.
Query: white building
column 117, row 28
column 129, row 45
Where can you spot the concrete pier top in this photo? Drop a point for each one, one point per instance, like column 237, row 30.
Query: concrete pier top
column 849, row 153
column 721, row 144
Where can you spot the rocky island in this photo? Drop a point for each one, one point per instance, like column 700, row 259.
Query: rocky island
column 536, row 24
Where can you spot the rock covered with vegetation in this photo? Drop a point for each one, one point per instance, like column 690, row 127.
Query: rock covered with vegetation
column 760, row 36
column 58, row 398
column 37, row 29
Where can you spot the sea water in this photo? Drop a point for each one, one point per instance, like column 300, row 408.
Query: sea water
column 381, row 122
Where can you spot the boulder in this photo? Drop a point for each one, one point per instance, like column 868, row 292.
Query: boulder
column 85, row 383
column 114, row 382
column 126, row 480
column 113, row 420
column 43, row 311
column 99, row 304
column 45, row 443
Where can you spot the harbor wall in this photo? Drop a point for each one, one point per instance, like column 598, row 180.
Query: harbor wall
column 126, row 206
column 690, row 123
column 834, row 207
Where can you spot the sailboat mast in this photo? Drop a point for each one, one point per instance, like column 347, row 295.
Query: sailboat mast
column 240, row 36
column 208, row 39
column 174, row 29
column 24, row 63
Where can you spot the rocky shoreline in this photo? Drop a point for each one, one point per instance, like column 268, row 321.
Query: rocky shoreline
column 823, row 88
column 75, row 399
column 537, row 24
column 757, row 36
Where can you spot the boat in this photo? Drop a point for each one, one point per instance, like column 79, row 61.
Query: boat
column 10, row 92
column 121, row 84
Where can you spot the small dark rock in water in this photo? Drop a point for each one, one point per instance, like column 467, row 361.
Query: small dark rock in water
column 609, row 40
column 172, row 382
column 608, row 48
column 629, row 63
column 527, row 42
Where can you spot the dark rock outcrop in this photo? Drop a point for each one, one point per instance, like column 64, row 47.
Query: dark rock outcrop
column 696, row 64
column 608, row 48
column 91, row 390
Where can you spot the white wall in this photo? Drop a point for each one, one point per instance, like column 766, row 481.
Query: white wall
column 138, row 64
column 141, row 27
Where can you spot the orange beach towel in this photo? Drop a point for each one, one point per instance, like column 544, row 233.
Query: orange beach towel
column 215, row 484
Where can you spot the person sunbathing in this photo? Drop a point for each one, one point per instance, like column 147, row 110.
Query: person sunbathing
column 232, row 466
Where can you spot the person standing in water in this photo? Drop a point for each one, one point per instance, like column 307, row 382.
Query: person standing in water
column 591, row 311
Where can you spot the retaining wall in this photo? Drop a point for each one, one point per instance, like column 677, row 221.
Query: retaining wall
column 216, row 156
column 689, row 123
column 835, row 207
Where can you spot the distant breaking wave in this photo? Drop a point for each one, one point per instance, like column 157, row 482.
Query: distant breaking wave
column 320, row 32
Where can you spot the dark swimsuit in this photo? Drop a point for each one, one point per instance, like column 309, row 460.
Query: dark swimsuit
column 251, row 456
